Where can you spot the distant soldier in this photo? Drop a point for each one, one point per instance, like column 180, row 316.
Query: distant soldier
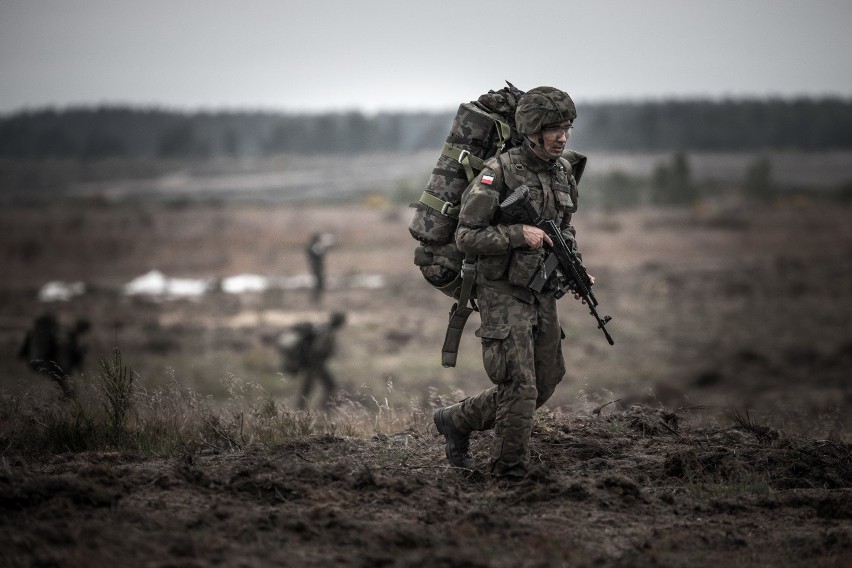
column 306, row 348
column 315, row 250
column 55, row 350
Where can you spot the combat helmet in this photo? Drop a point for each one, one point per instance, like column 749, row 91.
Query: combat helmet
column 542, row 106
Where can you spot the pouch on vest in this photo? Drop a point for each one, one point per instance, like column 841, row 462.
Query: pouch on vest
column 524, row 265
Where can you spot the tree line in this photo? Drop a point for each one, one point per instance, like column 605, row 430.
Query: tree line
column 651, row 126
column 672, row 183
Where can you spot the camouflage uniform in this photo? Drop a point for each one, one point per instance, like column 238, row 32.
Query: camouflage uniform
column 317, row 344
column 55, row 349
column 520, row 332
column 315, row 251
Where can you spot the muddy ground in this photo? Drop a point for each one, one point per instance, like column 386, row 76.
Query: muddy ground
column 637, row 487
column 718, row 314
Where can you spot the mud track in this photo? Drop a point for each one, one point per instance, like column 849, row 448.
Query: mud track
column 631, row 487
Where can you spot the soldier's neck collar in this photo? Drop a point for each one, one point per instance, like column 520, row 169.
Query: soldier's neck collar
column 533, row 161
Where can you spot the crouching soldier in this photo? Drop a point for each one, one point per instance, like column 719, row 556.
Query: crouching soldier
column 306, row 349
column 55, row 350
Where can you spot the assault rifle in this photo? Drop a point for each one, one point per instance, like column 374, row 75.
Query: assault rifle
column 561, row 263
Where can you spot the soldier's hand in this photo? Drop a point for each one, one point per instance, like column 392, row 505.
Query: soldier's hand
column 591, row 282
column 535, row 237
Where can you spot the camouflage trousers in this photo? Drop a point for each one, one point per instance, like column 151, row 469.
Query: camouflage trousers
column 522, row 353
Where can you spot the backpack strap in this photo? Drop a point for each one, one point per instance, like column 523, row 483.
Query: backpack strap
column 472, row 166
column 438, row 204
column 471, row 162
column 465, row 158
column 512, row 178
column 459, row 313
column 504, row 134
column 460, row 310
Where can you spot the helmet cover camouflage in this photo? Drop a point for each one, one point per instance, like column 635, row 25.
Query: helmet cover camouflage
column 542, row 106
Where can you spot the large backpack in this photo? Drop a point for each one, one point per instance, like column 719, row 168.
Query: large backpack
column 322, row 343
column 294, row 345
column 481, row 129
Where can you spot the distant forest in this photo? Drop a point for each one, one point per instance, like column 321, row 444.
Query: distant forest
column 669, row 126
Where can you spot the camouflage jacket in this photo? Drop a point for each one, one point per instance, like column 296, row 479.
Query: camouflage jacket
column 505, row 262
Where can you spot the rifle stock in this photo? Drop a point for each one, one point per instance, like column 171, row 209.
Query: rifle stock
column 562, row 257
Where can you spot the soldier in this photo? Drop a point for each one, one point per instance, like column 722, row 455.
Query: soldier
column 520, row 332
column 306, row 348
column 55, row 349
column 315, row 251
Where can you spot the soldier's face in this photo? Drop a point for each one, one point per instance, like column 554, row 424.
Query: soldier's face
column 555, row 138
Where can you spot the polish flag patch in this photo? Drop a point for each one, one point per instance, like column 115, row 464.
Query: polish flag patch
column 487, row 180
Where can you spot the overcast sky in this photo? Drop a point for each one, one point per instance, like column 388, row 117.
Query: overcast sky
column 369, row 55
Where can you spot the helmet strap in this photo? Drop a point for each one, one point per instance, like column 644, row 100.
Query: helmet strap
column 538, row 147
column 538, row 142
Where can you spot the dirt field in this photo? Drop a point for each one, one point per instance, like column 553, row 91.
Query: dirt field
column 716, row 314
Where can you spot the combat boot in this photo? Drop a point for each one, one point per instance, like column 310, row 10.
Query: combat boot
column 458, row 443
